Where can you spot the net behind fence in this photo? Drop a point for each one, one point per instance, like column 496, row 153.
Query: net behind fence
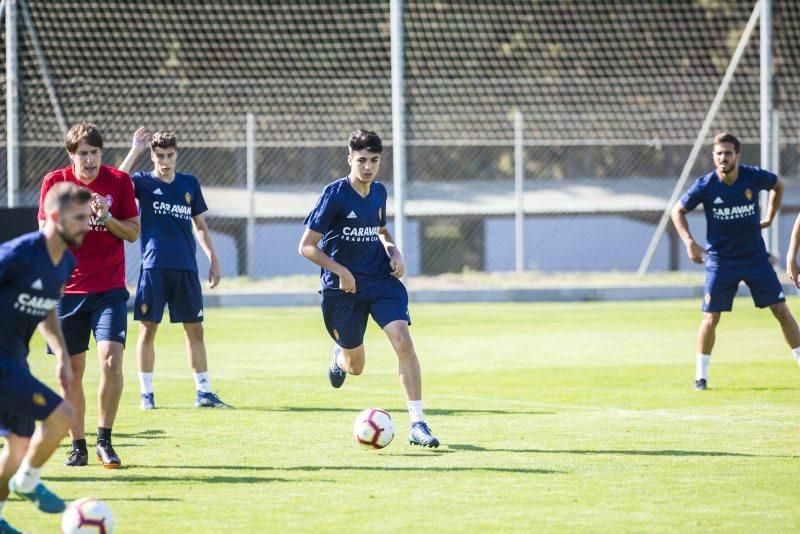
column 612, row 96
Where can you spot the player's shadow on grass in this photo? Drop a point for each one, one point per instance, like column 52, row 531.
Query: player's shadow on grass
column 613, row 452
column 312, row 468
column 397, row 409
column 144, row 434
column 211, row 479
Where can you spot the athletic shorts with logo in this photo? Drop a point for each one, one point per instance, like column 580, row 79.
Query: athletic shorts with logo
column 722, row 283
column 23, row 398
column 177, row 288
column 104, row 315
column 346, row 314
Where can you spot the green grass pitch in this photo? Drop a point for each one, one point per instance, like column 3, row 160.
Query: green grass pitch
column 552, row 417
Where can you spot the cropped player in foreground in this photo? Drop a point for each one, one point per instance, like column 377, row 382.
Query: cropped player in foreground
column 95, row 298
column 171, row 205
column 736, row 250
column 33, row 270
column 361, row 271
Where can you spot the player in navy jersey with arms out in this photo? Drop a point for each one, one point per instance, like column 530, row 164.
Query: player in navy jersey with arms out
column 171, row 206
column 736, row 250
column 361, row 271
column 33, row 270
column 95, row 299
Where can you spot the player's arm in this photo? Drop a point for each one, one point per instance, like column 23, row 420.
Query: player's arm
column 773, row 203
column 141, row 140
column 694, row 250
column 127, row 229
column 396, row 260
column 203, row 235
column 309, row 250
column 50, row 329
column 792, row 268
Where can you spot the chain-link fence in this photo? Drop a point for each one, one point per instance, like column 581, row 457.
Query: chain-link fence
column 612, row 96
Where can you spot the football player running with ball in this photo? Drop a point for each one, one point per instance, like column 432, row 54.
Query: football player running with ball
column 361, row 271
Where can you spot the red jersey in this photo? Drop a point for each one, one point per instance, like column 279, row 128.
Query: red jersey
column 101, row 256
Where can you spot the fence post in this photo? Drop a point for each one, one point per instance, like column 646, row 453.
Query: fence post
column 519, row 192
column 251, row 194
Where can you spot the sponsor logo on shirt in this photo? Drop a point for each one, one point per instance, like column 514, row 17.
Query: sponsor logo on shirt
column 33, row 305
column 718, row 201
column 748, row 194
column 37, row 284
column 360, row 233
column 188, row 198
column 734, row 212
column 352, row 215
column 175, row 210
column 157, row 191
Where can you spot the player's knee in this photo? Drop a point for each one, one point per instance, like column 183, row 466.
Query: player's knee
column 78, row 367
column 147, row 331
column 710, row 320
column 194, row 331
column 62, row 417
column 112, row 364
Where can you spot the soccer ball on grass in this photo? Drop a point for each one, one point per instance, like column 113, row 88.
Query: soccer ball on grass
column 373, row 428
column 87, row 515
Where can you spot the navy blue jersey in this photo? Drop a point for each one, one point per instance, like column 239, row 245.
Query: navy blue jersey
column 166, row 209
column 349, row 225
column 30, row 286
column 732, row 213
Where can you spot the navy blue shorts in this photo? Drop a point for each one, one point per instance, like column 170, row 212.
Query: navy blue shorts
column 346, row 314
column 23, row 399
column 722, row 283
column 103, row 314
column 177, row 288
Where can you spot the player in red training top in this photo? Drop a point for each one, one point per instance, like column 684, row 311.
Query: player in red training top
column 95, row 298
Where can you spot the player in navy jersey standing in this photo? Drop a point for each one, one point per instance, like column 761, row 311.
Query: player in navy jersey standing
column 171, row 205
column 736, row 250
column 361, row 271
column 33, row 270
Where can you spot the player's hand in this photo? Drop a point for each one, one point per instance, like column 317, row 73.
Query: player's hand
column 765, row 223
column 397, row 263
column 64, row 374
column 793, row 271
column 99, row 205
column 347, row 282
column 695, row 252
column 141, row 140
column 214, row 275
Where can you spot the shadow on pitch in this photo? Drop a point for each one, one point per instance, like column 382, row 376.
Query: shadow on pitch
column 211, row 479
column 428, row 411
column 315, row 468
column 614, row 452
column 144, row 434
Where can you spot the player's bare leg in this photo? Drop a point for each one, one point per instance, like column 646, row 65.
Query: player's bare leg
column 78, row 455
column 706, row 337
column 145, row 361
column 109, row 394
column 411, row 380
column 791, row 332
column 10, row 457
column 352, row 361
column 26, row 483
column 198, row 360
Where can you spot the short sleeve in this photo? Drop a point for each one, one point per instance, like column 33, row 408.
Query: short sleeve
column 322, row 215
column 692, row 197
column 198, row 202
column 136, row 179
column 383, row 210
column 11, row 262
column 127, row 208
column 47, row 183
column 767, row 180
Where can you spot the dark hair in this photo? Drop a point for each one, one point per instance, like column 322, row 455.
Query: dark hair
column 728, row 138
column 365, row 140
column 64, row 194
column 83, row 132
column 164, row 139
